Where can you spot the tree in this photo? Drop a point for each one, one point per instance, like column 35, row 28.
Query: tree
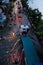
column 35, row 16
column 24, row 3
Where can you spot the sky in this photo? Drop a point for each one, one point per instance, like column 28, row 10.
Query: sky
column 37, row 4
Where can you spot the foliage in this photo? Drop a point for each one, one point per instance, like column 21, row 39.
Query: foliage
column 24, row 3
column 38, row 32
column 34, row 16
